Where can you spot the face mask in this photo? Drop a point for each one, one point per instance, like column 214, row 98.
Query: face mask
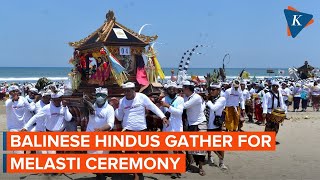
column 100, row 100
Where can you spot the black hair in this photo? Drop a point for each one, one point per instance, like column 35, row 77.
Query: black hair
column 191, row 88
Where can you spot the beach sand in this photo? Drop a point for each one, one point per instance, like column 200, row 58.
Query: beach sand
column 295, row 158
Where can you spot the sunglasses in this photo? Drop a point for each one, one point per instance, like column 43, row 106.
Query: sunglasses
column 102, row 95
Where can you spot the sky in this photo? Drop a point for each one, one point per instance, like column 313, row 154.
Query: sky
column 35, row 33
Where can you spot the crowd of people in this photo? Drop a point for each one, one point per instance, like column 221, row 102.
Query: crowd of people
column 222, row 106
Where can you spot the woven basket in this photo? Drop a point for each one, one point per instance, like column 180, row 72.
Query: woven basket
column 278, row 115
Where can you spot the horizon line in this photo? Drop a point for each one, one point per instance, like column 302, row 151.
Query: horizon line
column 162, row 67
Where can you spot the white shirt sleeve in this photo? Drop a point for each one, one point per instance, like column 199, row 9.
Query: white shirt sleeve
column 67, row 114
column 38, row 107
column 283, row 106
column 39, row 115
column 193, row 100
column 265, row 104
column 30, row 106
column 226, row 95
column 119, row 113
column 179, row 109
column 8, row 105
column 220, row 103
column 110, row 117
column 242, row 101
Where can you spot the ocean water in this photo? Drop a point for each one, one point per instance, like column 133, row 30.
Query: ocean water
column 32, row 74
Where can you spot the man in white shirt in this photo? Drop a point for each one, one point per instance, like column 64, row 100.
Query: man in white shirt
column 248, row 103
column 172, row 105
column 195, row 106
column 33, row 92
column 224, row 87
column 285, row 92
column 256, row 88
column 132, row 110
column 55, row 114
column 45, row 99
column 101, row 119
column 233, row 98
column 33, row 96
column 40, row 122
column 272, row 100
column 216, row 105
column 18, row 111
column 296, row 96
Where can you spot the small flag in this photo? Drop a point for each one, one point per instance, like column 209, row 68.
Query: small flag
column 115, row 64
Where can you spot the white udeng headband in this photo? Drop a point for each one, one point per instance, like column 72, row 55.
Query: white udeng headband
column 102, row 90
column 56, row 95
column 128, row 85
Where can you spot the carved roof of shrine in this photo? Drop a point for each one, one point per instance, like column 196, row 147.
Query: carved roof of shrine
column 108, row 35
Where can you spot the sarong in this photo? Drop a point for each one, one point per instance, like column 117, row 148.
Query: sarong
column 258, row 109
column 249, row 109
column 198, row 156
column 270, row 125
column 232, row 118
column 315, row 102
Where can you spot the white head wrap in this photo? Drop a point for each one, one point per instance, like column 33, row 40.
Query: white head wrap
column 128, row 85
column 102, row 90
